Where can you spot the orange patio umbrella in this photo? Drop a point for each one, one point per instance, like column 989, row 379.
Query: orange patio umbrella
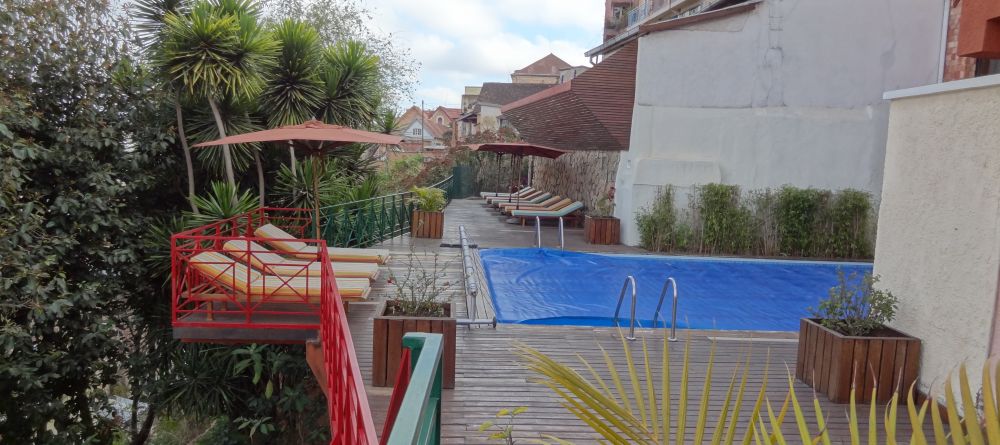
column 314, row 137
column 518, row 150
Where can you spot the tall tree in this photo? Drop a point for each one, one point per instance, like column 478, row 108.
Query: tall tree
column 294, row 88
column 219, row 50
column 351, row 88
column 85, row 157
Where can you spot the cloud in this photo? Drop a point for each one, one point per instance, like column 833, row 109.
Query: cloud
column 467, row 42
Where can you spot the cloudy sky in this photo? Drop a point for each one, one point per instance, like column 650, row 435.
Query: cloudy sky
column 467, row 42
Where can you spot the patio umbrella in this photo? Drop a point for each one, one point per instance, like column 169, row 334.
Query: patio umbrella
column 518, row 150
column 314, row 137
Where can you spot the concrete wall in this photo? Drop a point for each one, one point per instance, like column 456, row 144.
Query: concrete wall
column 488, row 118
column 788, row 93
column 938, row 244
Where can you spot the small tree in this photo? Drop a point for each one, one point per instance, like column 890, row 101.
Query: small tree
column 855, row 307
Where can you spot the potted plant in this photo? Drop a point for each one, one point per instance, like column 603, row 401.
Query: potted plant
column 417, row 306
column 599, row 226
column 848, row 343
column 428, row 215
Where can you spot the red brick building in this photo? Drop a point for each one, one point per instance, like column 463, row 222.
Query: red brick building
column 973, row 41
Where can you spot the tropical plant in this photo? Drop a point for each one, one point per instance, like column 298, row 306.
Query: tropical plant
column 503, row 429
column 221, row 202
column 636, row 406
column 605, row 206
column 428, row 199
column 855, row 307
column 218, row 51
column 350, row 78
column 294, row 189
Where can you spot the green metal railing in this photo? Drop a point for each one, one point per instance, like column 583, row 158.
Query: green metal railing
column 370, row 221
column 419, row 417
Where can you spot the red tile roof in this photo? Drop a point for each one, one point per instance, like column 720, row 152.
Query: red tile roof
column 547, row 65
column 591, row 112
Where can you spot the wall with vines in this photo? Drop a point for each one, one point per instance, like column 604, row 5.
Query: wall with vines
column 790, row 221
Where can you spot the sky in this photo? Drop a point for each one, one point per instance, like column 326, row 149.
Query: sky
column 468, row 42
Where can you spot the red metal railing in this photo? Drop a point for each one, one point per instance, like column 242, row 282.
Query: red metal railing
column 398, row 392
column 223, row 275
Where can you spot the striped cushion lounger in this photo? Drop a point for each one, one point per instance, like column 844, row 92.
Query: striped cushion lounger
column 554, row 203
column 523, row 191
column 546, row 214
column 266, row 260
column 541, row 196
column 289, row 244
column 248, row 281
column 493, row 201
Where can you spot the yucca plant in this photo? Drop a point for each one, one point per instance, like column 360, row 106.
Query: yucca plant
column 351, row 85
column 637, row 407
column 428, row 199
column 223, row 201
column 294, row 189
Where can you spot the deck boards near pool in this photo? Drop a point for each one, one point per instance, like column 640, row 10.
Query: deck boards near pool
column 488, row 377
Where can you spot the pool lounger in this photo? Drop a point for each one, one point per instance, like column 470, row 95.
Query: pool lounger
column 523, row 191
column 546, row 214
column 551, row 205
column 289, row 244
column 266, row 260
column 494, row 201
column 258, row 286
column 535, row 200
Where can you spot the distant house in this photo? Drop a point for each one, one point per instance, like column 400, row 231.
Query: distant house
column 545, row 70
column 485, row 115
column 428, row 129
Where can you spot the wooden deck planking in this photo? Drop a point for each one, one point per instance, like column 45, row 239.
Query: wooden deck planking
column 489, row 376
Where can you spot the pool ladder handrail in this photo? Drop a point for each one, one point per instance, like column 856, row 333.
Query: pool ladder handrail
column 538, row 233
column 621, row 298
column 673, row 318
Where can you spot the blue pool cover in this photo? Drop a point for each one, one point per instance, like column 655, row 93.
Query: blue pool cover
column 554, row 287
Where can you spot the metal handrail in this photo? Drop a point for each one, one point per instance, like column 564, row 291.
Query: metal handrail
column 538, row 233
column 621, row 297
column 673, row 318
column 419, row 419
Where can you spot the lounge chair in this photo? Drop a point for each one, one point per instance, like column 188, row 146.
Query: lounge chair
column 494, row 200
column 551, row 206
column 547, row 214
column 286, row 243
column 258, row 286
column 525, row 190
column 266, row 260
column 506, row 206
column 534, row 199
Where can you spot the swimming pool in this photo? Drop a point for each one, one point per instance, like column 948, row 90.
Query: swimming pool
column 554, row 287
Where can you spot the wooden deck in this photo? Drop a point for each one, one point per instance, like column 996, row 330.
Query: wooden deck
column 489, row 376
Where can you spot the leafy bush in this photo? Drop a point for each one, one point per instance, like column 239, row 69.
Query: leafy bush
column 657, row 225
column 855, row 307
column 221, row 202
column 428, row 199
column 419, row 289
column 720, row 219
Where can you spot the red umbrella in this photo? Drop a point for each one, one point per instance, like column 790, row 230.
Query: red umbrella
column 518, row 150
column 314, row 137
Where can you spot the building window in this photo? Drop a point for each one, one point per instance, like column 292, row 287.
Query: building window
column 986, row 67
column 440, row 121
column 418, row 132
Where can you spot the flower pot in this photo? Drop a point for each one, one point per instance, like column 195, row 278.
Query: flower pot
column 427, row 224
column 387, row 342
column 831, row 362
column 602, row 230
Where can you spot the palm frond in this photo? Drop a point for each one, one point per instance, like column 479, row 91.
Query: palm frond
column 351, row 92
column 294, row 89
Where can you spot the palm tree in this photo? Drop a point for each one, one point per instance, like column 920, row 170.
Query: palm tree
column 294, row 89
column 218, row 50
column 150, row 15
column 351, row 87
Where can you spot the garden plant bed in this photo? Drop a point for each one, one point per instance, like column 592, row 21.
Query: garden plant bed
column 602, row 230
column 387, row 342
column 830, row 362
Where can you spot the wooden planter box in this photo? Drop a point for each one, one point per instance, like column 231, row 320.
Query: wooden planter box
column 830, row 362
column 427, row 224
column 602, row 230
column 387, row 343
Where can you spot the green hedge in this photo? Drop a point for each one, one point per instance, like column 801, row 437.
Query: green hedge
column 790, row 221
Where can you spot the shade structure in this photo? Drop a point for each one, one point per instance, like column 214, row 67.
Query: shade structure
column 313, row 136
column 518, row 150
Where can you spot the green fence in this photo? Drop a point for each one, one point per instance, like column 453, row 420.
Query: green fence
column 371, row 221
column 419, row 418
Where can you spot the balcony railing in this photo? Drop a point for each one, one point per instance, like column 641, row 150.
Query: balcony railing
column 368, row 222
column 414, row 417
column 636, row 14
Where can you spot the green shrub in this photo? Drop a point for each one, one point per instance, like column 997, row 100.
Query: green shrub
column 726, row 223
column 428, row 199
column 657, row 224
column 797, row 211
column 855, row 307
column 850, row 217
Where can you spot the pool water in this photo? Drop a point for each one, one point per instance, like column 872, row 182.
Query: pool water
column 554, row 287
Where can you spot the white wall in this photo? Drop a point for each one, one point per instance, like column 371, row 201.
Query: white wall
column 789, row 93
column 938, row 244
column 488, row 117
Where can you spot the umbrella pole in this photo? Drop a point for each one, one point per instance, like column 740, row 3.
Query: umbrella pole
column 315, row 175
column 520, row 162
column 499, row 158
column 513, row 185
